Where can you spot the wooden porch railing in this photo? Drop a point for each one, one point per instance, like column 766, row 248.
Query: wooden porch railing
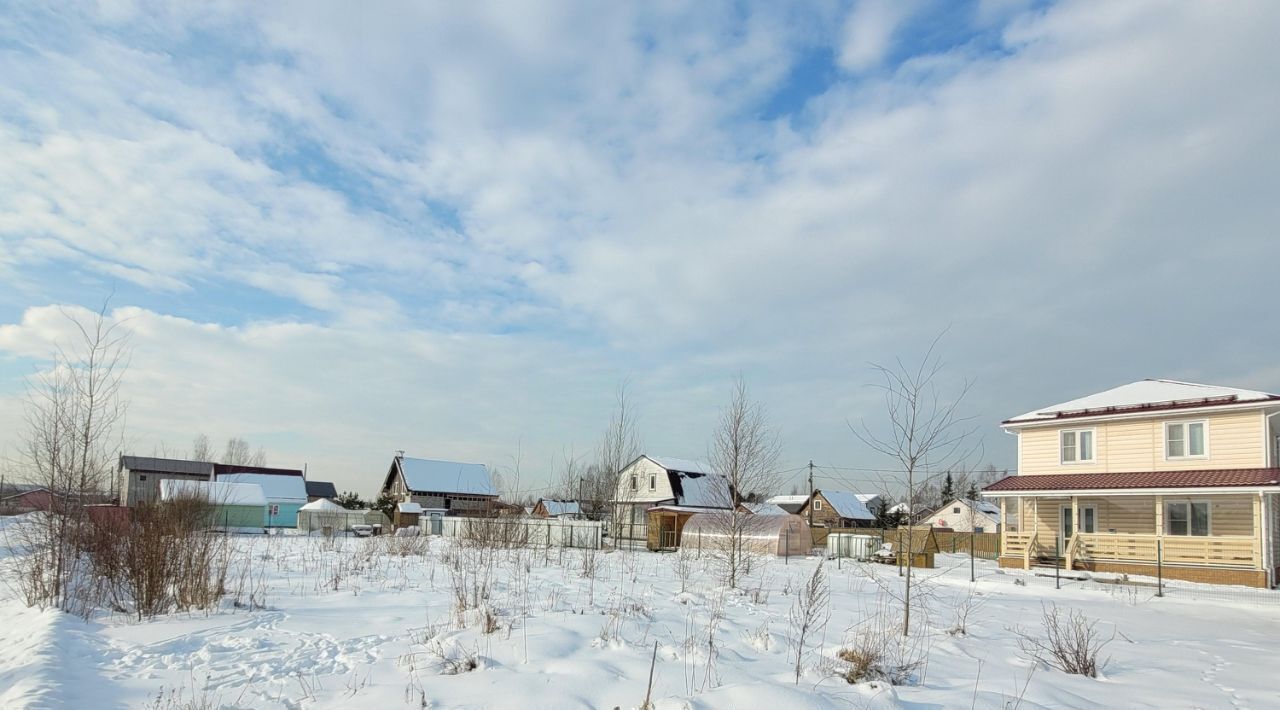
column 1020, row 545
column 1218, row 550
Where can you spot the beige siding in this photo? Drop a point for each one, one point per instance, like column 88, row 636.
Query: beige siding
column 1235, row 440
column 1228, row 515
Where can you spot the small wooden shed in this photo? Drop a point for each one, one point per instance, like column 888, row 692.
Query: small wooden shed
column 918, row 541
column 407, row 515
column 666, row 523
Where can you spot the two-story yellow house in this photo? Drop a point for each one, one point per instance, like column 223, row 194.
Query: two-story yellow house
column 1180, row 473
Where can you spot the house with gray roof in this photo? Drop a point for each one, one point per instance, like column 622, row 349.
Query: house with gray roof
column 447, row 487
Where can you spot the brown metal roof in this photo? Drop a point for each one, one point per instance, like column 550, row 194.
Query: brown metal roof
column 1215, row 478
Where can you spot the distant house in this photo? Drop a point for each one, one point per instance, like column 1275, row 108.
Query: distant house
column 839, row 509
column 791, row 504
column 238, row 507
column 285, row 494
column 320, row 489
column 550, row 508
column 26, row 500
column 681, row 487
column 141, row 475
column 966, row 516
column 441, row 487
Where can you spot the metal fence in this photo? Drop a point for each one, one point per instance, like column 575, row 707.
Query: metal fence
column 533, row 532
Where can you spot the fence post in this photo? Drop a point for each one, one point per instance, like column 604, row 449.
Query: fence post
column 1159, row 568
column 1057, row 579
column 898, row 552
column 973, row 577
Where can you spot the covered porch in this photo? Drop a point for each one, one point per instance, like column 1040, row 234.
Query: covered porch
column 1209, row 534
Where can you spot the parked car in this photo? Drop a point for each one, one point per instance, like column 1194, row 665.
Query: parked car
column 362, row 530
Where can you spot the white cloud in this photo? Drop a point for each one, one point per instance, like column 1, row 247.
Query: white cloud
column 596, row 179
column 869, row 31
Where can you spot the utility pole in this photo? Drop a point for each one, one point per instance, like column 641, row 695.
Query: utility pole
column 810, row 504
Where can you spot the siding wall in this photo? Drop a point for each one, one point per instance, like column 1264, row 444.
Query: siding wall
column 1228, row 515
column 643, row 469
column 1235, row 440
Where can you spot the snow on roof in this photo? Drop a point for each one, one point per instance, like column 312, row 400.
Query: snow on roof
column 983, row 506
column 702, row 490
column 561, row 507
column 788, row 500
column 766, row 508
column 276, row 488
column 216, row 492
column 847, row 505
column 433, row 476
column 1146, row 393
column 409, row 507
column 322, row 505
column 684, row 465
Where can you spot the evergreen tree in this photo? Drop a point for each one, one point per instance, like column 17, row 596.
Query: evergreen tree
column 972, row 493
column 948, row 490
column 350, row 500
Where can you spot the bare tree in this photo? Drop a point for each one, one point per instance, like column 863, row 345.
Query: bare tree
column 619, row 446
column 201, row 450
column 73, row 425
column 926, row 431
column 239, row 453
column 744, row 450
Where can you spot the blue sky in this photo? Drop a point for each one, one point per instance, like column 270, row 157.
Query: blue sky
column 342, row 231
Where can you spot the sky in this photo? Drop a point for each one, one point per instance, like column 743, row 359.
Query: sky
column 339, row 230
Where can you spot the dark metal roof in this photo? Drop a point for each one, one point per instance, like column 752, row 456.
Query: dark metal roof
column 1208, row 478
column 203, row 468
column 321, row 489
column 148, row 463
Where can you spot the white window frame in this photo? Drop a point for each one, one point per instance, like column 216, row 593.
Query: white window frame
column 635, row 484
column 653, row 481
column 817, row 504
column 1186, row 439
column 1208, row 507
column 1093, row 446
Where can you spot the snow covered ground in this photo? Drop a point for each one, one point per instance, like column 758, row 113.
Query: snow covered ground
column 351, row 624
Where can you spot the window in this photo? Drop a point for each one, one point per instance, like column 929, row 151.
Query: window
column 978, row 529
column 1184, row 440
column 1076, row 445
column 956, row 510
column 817, row 504
column 633, row 481
column 1187, row 518
column 143, row 477
column 653, row 481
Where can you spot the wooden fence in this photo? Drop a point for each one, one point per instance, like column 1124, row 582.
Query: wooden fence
column 985, row 545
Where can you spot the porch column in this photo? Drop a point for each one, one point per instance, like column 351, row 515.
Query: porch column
column 1075, row 529
column 1004, row 527
column 1257, row 531
column 1159, row 516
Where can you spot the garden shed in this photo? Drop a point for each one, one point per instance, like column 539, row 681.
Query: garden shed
column 781, row 535
column 236, row 507
column 285, row 494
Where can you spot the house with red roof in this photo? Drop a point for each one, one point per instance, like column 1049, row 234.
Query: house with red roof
column 1158, row 472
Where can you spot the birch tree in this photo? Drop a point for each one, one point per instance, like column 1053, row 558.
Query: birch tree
column 925, row 431
column 744, row 450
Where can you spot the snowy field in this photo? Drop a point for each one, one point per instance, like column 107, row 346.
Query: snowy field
column 372, row 623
